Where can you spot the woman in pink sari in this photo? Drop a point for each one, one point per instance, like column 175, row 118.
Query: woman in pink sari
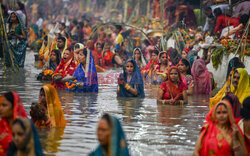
column 201, row 76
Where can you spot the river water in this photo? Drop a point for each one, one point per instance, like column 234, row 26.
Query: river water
column 150, row 129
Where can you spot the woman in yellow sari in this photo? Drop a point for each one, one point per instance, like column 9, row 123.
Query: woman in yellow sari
column 238, row 84
column 51, row 113
column 44, row 51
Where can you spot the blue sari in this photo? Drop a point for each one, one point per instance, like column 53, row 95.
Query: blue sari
column 17, row 46
column 118, row 145
column 89, row 78
column 135, row 81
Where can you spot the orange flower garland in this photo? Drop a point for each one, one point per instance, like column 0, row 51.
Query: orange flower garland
column 48, row 72
column 72, row 85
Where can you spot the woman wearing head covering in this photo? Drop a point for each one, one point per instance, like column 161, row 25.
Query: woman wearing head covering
column 85, row 74
column 201, row 75
column 50, row 113
column 25, row 139
column 139, row 58
column 172, row 91
column 77, row 48
column 111, row 138
column 17, row 36
column 148, row 71
column 234, row 63
column 161, row 70
column 130, row 82
column 244, row 123
column 238, row 84
column 44, row 52
column 11, row 108
column 66, row 68
column 220, row 135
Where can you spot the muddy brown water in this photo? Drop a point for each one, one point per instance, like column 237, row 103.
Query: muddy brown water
column 151, row 129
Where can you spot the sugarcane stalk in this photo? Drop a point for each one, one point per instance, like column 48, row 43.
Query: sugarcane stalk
column 245, row 32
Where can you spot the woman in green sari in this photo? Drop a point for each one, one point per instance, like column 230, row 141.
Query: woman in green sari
column 17, row 37
column 111, row 138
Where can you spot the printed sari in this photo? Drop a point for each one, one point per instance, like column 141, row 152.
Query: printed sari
column 135, row 81
column 216, row 141
column 201, row 75
column 17, row 46
column 118, row 145
column 87, row 76
column 54, row 110
column 171, row 91
column 32, row 145
column 65, row 68
column 5, row 128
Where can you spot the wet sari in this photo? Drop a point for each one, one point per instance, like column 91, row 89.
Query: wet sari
column 87, row 76
column 65, row 68
column 54, row 110
column 216, row 141
column 17, row 46
column 242, row 92
column 118, row 145
column 32, row 145
column 201, row 75
column 135, row 81
column 171, row 91
column 5, row 128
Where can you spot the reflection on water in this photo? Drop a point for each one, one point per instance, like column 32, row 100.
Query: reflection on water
column 151, row 128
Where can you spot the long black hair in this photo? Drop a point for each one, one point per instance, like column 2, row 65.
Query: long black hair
column 9, row 96
column 187, row 64
column 58, row 56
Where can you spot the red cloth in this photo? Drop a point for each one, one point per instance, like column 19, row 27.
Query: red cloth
column 97, row 57
column 213, row 141
column 223, row 21
column 170, row 90
column 107, row 57
column 5, row 128
column 149, row 65
column 65, row 68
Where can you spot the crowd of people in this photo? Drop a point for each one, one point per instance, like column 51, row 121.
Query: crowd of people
column 71, row 51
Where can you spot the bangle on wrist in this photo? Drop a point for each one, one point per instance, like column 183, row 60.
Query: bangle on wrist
column 127, row 87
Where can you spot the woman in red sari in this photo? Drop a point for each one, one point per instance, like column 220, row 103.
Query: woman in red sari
column 11, row 108
column 220, row 135
column 65, row 69
column 172, row 91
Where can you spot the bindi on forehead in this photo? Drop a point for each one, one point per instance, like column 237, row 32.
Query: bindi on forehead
column 130, row 64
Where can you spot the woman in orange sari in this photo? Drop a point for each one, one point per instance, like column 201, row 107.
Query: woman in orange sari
column 220, row 135
column 51, row 109
column 11, row 108
column 66, row 68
